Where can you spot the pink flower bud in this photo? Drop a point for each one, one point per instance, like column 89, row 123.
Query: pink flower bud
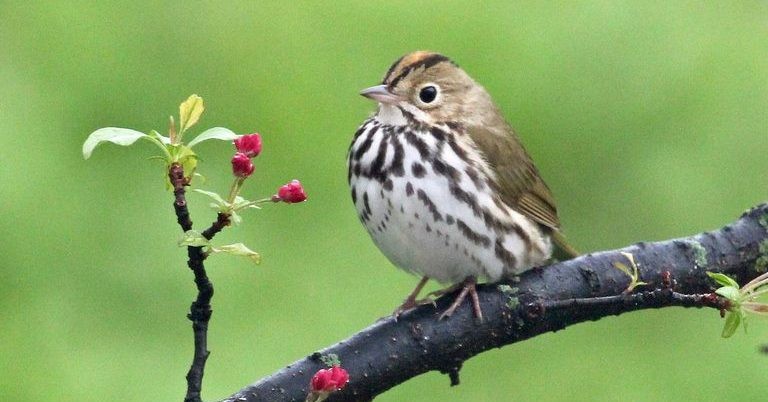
column 242, row 165
column 329, row 380
column 290, row 193
column 249, row 144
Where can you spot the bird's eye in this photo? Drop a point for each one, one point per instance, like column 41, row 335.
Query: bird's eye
column 428, row 94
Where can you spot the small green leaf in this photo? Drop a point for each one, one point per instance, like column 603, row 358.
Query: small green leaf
column 185, row 156
column 722, row 279
column 220, row 201
column 729, row 292
column 732, row 321
column 623, row 268
column 235, row 218
column 163, row 139
column 164, row 144
column 115, row 135
column 216, row 133
column 189, row 112
column 193, row 238
column 633, row 273
column 239, row 202
column 238, row 249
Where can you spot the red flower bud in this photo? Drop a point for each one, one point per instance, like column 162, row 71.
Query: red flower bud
column 329, row 380
column 242, row 165
column 290, row 193
column 249, row 144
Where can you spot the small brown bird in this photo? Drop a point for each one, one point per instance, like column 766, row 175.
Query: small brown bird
column 444, row 186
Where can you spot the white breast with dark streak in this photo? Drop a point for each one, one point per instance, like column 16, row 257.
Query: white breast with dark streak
column 433, row 225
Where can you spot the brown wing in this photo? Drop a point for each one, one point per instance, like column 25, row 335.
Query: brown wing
column 518, row 180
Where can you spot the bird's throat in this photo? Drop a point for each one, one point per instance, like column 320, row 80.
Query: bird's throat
column 391, row 115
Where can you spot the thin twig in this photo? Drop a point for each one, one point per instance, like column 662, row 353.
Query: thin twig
column 623, row 303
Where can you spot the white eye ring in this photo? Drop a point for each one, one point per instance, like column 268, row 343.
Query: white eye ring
column 428, row 94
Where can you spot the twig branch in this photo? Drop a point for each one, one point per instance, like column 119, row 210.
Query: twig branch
column 544, row 299
column 200, row 310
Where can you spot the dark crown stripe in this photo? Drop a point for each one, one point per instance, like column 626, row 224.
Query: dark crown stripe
column 391, row 69
column 426, row 62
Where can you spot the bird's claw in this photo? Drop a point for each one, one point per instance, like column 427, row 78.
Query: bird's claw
column 467, row 287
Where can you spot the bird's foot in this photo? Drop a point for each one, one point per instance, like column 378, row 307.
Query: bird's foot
column 468, row 286
column 441, row 292
column 411, row 301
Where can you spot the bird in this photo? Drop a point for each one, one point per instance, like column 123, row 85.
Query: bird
column 444, row 186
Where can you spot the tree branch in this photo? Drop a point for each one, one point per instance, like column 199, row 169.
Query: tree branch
column 544, row 299
column 200, row 309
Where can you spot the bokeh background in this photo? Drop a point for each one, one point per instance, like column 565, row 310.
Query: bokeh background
column 648, row 120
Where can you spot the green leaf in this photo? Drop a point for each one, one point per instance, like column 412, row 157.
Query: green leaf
column 193, row 238
column 115, row 135
column 189, row 112
column 623, row 268
column 235, row 218
column 732, row 321
column 633, row 273
column 238, row 249
column 729, row 292
column 240, row 203
column 216, row 133
column 163, row 139
column 186, row 156
column 220, row 201
column 722, row 279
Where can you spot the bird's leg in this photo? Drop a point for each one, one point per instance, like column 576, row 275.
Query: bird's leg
column 411, row 301
column 444, row 291
column 467, row 287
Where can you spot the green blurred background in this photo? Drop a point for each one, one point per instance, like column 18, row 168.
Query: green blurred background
column 647, row 119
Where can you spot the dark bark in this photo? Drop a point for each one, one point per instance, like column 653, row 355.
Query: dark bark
column 544, row 299
column 200, row 309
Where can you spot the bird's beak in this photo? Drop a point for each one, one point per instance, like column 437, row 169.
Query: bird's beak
column 380, row 93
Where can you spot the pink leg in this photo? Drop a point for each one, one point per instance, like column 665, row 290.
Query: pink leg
column 411, row 301
column 467, row 288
